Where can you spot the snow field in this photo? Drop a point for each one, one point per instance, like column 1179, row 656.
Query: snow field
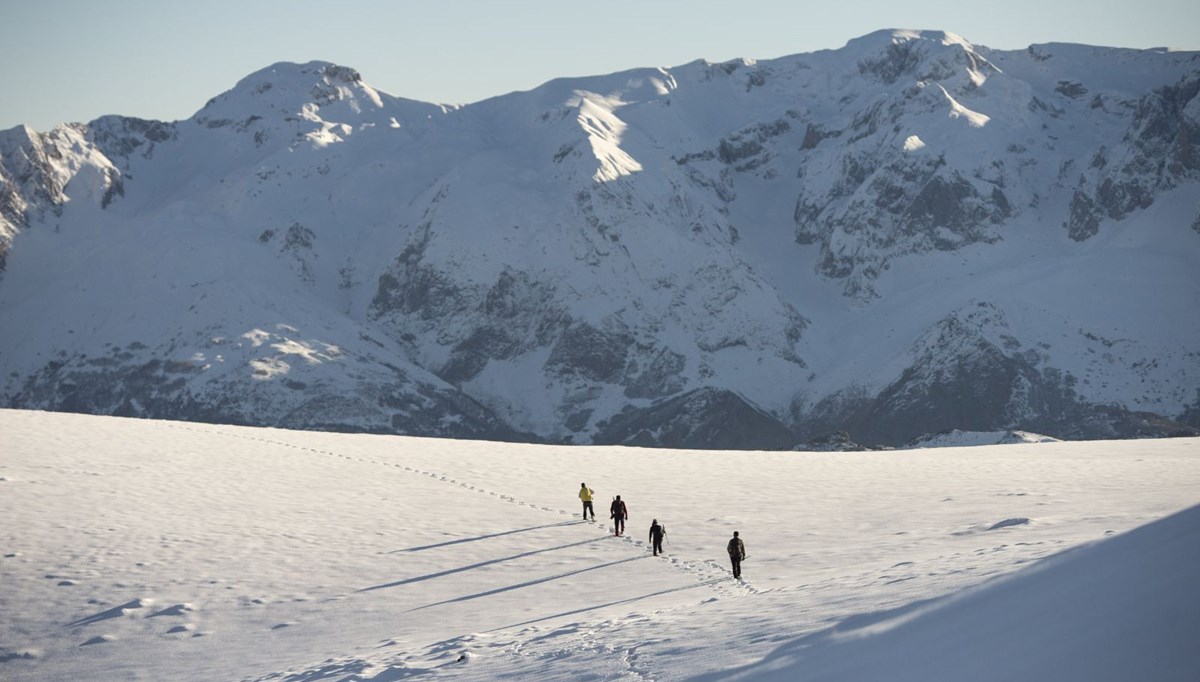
column 159, row 550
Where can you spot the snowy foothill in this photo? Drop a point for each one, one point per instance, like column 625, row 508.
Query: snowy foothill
column 155, row 550
column 959, row 438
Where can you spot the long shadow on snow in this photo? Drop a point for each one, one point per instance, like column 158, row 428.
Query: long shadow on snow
column 483, row 537
column 481, row 564
column 619, row 602
column 114, row 612
column 530, row 583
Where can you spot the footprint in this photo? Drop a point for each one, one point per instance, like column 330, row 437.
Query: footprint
column 21, row 655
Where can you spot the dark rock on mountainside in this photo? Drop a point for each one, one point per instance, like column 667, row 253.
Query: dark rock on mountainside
column 133, row 383
column 962, row 380
column 706, row 419
column 1162, row 150
column 834, row 442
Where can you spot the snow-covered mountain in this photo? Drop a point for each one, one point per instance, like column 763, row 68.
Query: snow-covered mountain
column 904, row 236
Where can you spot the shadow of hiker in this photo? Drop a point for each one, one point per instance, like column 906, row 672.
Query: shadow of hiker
column 481, row 564
column 530, row 583
column 482, row 537
column 114, row 612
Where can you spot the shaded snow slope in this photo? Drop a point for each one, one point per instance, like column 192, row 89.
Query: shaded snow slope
column 1126, row 608
column 150, row 550
column 903, row 236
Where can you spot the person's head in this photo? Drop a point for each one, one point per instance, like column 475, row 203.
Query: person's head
column 583, row 485
column 618, row 498
column 654, row 521
column 735, row 533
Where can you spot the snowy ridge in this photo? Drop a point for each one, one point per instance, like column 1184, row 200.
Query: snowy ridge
column 852, row 240
column 956, row 438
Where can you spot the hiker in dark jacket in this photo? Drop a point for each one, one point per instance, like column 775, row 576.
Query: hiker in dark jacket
column 618, row 512
column 656, row 536
column 737, row 552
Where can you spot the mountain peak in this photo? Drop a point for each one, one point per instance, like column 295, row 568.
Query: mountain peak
column 294, row 89
column 895, row 36
column 924, row 55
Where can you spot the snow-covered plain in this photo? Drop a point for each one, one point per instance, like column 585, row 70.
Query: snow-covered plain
column 153, row 550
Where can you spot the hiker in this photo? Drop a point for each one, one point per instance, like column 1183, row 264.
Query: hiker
column 737, row 553
column 656, row 536
column 585, row 494
column 618, row 512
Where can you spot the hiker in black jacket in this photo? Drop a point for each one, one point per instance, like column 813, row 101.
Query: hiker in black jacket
column 656, row 536
column 737, row 552
column 618, row 512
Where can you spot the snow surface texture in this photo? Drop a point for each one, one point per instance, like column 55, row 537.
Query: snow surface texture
column 151, row 550
column 904, row 236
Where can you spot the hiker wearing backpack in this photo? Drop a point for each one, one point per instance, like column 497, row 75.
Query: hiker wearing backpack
column 656, row 536
column 585, row 494
column 737, row 553
column 618, row 512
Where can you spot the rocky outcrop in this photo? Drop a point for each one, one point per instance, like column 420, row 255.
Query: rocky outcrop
column 1160, row 151
column 134, row 382
column 834, row 442
column 707, row 419
column 968, row 375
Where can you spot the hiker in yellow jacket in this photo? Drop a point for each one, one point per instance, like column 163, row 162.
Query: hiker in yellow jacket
column 585, row 494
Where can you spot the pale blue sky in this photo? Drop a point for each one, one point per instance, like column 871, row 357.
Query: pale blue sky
column 74, row 60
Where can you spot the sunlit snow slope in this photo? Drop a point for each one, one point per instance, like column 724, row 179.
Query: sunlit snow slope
column 153, row 550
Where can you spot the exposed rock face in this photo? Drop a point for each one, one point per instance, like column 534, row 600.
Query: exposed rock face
column 132, row 382
column 705, row 419
column 866, row 241
column 969, row 375
column 834, row 442
column 1160, row 150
